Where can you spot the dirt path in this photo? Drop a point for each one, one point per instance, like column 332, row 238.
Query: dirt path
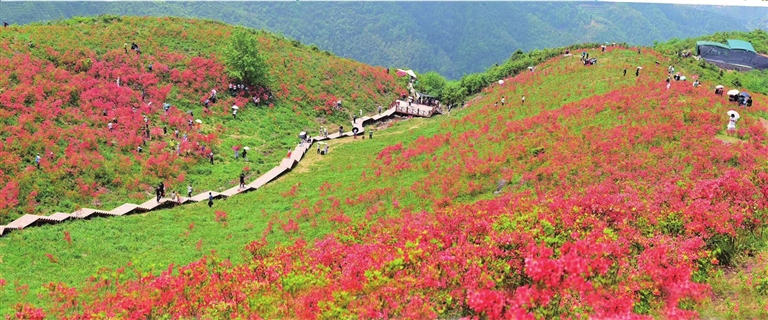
column 473, row 100
column 733, row 296
column 728, row 139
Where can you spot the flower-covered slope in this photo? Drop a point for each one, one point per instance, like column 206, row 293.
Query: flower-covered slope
column 619, row 205
column 62, row 83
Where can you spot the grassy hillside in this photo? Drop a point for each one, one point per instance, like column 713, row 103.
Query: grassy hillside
column 617, row 197
column 451, row 38
column 59, row 79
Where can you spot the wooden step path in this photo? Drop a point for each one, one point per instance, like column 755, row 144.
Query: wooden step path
column 286, row 165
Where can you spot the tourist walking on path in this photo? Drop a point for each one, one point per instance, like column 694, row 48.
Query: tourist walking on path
column 37, row 161
column 242, row 180
column 157, row 194
column 189, row 191
column 245, row 154
column 210, row 199
column 625, row 72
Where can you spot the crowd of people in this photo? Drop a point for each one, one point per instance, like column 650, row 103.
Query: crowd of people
column 428, row 101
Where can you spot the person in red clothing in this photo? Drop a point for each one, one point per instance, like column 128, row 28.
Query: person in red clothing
column 289, row 153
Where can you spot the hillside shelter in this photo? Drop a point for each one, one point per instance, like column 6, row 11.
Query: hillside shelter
column 736, row 54
column 741, row 45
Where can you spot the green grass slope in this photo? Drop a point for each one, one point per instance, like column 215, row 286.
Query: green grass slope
column 616, row 197
column 322, row 195
column 59, row 77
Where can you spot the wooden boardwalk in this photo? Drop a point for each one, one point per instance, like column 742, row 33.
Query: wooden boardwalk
column 287, row 164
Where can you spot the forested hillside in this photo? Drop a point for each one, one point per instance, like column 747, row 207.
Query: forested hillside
column 451, row 38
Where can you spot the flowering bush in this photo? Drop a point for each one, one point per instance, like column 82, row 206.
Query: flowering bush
column 71, row 94
column 621, row 200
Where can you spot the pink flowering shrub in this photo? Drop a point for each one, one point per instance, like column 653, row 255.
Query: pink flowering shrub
column 616, row 207
column 63, row 83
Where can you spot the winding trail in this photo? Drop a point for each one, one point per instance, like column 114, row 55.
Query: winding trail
column 286, row 165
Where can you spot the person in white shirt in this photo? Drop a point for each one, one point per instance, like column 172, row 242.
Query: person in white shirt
column 732, row 124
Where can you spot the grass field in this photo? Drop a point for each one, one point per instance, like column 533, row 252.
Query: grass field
column 152, row 241
column 78, row 63
column 602, row 195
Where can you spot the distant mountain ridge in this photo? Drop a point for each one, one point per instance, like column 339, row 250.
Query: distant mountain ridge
column 452, row 38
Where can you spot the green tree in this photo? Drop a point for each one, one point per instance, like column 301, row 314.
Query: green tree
column 453, row 93
column 431, row 83
column 243, row 59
